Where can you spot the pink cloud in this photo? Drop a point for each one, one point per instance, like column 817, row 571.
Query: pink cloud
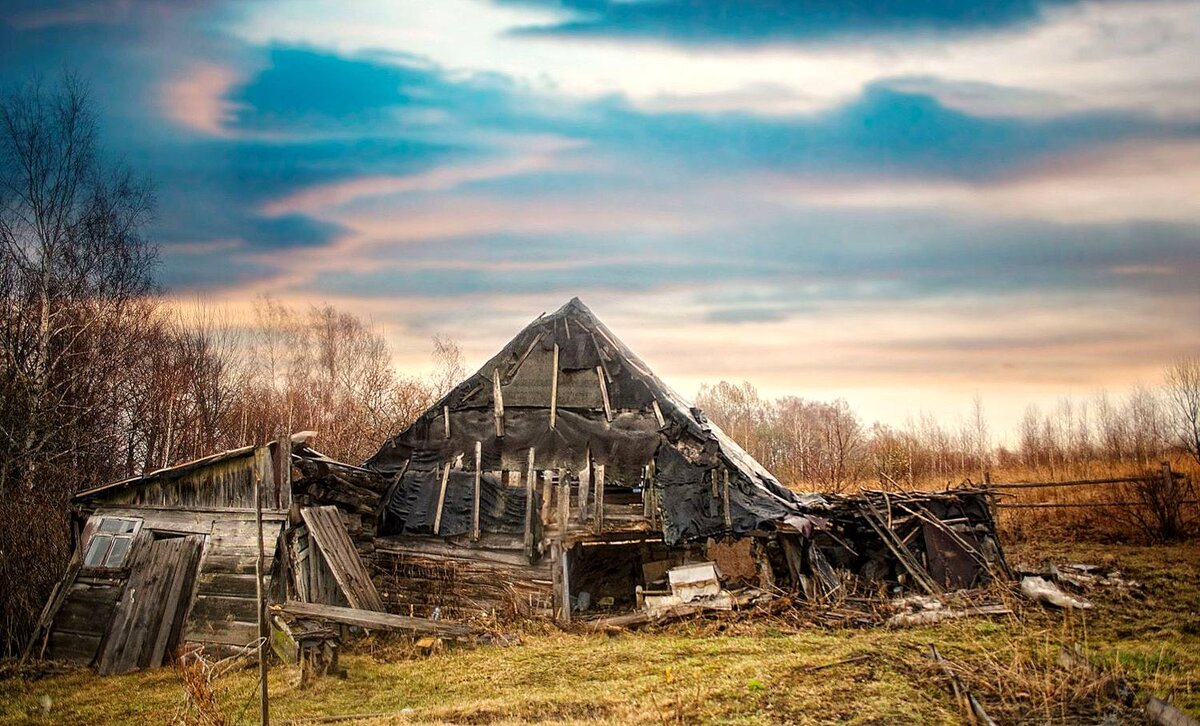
column 197, row 99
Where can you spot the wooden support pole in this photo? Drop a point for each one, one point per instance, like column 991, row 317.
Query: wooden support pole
column 658, row 414
column 554, row 388
column 498, row 402
column 475, row 501
column 547, row 500
column 598, row 516
column 529, row 490
column 437, row 517
column 259, row 596
column 564, row 502
column 585, row 483
column 566, row 584
column 604, row 393
column 725, row 499
column 446, row 422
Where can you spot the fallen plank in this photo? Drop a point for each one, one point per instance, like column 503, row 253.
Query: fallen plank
column 928, row 617
column 970, row 706
column 373, row 620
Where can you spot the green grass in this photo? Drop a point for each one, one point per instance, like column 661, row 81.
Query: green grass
column 718, row 672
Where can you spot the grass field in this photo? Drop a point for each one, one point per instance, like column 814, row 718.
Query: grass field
column 720, row 671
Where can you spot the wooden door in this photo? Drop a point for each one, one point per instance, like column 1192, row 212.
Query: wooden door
column 148, row 619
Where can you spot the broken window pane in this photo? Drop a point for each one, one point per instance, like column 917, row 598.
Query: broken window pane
column 117, row 525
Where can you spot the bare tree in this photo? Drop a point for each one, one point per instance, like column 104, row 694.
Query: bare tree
column 1183, row 396
column 449, row 370
column 75, row 272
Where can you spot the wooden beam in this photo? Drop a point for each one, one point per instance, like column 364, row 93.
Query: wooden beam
column 554, row 388
column 475, row 500
column 498, row 402
column 529, row 490
column 372, row 620
column 598, row 517
column 437, row 517
column 658, row 414
column 446, row 421
column 604, row 393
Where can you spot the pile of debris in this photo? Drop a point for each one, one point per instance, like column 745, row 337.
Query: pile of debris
column 886, row 543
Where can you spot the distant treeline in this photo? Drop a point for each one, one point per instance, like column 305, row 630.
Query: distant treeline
column 826, row 446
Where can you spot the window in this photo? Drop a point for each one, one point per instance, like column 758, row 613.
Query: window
column 110, row 542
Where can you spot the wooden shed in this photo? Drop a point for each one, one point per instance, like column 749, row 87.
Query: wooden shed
column 169, row 558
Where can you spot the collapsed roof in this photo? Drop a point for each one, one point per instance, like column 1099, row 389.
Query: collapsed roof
column 567, row 388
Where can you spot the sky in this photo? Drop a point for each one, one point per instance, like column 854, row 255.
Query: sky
column 901, row 203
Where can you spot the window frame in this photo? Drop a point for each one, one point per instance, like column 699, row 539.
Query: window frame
column 128, row 530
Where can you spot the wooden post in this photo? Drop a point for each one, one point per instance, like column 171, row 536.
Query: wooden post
column 564, row 502
column 598, row 499
column 725, row 500
column 604, row 394
column 649, row 493
column 658, row 415
column 437, row 517
column 446, row 421
column 529, row 489
column 566, row 584
column 547, row 498
column 585, row 483
column 475, row 505
column 498, row 402
column 554, row 389
column 259, row 599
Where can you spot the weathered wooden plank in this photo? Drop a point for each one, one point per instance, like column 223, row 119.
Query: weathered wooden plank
column 209, row 610
column 598, row 524
column 231, row 564
column 437, row 515
column 554, row 388
column 530, row 475
column 179, row 593
column 475, row 496
column 604, row 394
column 497, row 402
column 326, row 529
column 374, row 620
column 225, row 584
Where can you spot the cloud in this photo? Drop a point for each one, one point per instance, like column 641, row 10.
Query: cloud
column 1133, row 56
column 737, row 22
column 1142, row 180
column 197, row 100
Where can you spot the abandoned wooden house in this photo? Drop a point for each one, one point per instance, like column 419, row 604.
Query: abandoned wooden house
column 562, row 479
column 563, row 476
